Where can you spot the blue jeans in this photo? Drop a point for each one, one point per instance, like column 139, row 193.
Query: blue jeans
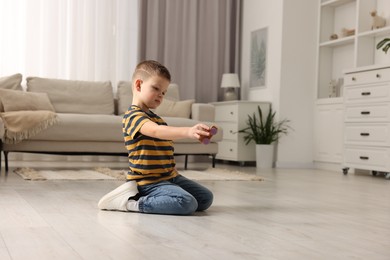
column 177, row 196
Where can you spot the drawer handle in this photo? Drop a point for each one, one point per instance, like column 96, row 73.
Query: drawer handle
column 365, row 134
column 378, row 76
column 231, row 150
column 366, row 93
column 364, row 158
column 231, row 112
column 353, row 79
column 365, row 112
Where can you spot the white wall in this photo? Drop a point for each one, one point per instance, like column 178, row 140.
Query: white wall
column 290, row 82
column 298, row 82
column 259, row 14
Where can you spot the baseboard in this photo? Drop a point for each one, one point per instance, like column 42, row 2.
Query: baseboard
column 328, row 166
column 295, row 165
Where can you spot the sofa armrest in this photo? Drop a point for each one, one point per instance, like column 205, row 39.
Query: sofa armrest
column 203, row 112
column 2, row 129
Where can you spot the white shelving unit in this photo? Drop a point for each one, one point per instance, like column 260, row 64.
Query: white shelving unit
column 335, row 56
column 353, row 51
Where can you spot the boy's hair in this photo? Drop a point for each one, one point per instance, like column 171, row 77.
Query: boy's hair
column 148, row 68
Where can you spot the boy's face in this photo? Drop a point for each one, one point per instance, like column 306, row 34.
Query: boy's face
column 152, row 90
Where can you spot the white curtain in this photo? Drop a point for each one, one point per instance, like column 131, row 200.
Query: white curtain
column 69, row 39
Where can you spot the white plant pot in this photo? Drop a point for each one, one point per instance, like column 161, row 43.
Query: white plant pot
column 264, row 156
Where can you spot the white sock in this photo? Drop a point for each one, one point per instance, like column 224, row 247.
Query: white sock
column 132, row 205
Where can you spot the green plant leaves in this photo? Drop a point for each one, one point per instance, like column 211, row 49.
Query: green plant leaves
column 264, row 130
column 384, row 44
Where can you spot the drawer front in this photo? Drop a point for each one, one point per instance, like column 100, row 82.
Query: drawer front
column 365, row 77
column 364, row 94
column 367, row 134
column 226, row 113
column 372, row 113
column 227, row 150
column 229, row 131
column 366, row 158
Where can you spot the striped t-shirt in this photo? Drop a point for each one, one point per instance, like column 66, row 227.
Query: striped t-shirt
column 150, row 159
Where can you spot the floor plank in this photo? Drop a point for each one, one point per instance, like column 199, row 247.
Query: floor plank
column 292, row 214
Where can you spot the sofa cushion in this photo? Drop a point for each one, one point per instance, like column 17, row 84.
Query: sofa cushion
column 10, row 82
column 125, row 95
column 169, row 108
column 103, row 128
column 73, row 96
column 83, row 127
column 173, row 92
column 14, row 100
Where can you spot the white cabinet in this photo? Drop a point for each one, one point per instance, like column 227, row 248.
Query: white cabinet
column 367, row 119
column 353, row 48
column 328, row 132
column 232, row 116
column 350, row 50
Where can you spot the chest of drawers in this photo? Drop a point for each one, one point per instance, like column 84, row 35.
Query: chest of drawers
column 367, row 120
column 232, row 116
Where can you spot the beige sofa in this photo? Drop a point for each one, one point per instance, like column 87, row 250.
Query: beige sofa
column 89, row 117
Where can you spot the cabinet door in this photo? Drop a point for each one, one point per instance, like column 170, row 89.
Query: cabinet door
column 368, row 113
column 367, row 93
column 368, row 158
column 230, row 131
column 328, row 133
column 367, row 134
column 226, row 113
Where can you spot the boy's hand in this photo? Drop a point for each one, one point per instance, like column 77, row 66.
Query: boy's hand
column 206, row 139
column 199, row 131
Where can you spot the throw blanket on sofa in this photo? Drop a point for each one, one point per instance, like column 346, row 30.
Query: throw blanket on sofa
column 20, row 125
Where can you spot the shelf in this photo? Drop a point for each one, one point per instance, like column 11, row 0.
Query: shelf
column 327, row 101
column 338, row 42
column 335, row 3
column 366, row 68
column 354, row 51
column 374, row 33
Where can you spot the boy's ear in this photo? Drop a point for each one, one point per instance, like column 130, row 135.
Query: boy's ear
column 137, row 84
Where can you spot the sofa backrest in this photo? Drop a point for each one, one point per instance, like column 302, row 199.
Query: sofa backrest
column 73, row 96
column 125, row 96
column 12, row 82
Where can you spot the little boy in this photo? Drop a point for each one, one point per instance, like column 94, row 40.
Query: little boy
column 153, row 183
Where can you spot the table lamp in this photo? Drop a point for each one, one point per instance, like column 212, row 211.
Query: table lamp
column 230, row 82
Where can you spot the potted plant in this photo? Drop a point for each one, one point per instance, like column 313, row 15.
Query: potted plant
column 264, row 131
column 384, row 44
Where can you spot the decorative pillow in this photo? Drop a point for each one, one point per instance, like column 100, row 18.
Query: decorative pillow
column 172, row 92
column 10, row 82
column 20, row 100
column 125, row 96
column 75, row 96
column 171, row 108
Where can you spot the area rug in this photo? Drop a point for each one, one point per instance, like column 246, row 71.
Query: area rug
column 210, row 174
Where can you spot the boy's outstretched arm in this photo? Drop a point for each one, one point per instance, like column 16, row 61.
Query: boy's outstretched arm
column 173, row 133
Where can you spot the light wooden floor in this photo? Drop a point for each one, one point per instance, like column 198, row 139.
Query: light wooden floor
column 292, row 214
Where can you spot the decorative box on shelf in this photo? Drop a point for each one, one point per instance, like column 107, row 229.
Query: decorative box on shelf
column 232, row 116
